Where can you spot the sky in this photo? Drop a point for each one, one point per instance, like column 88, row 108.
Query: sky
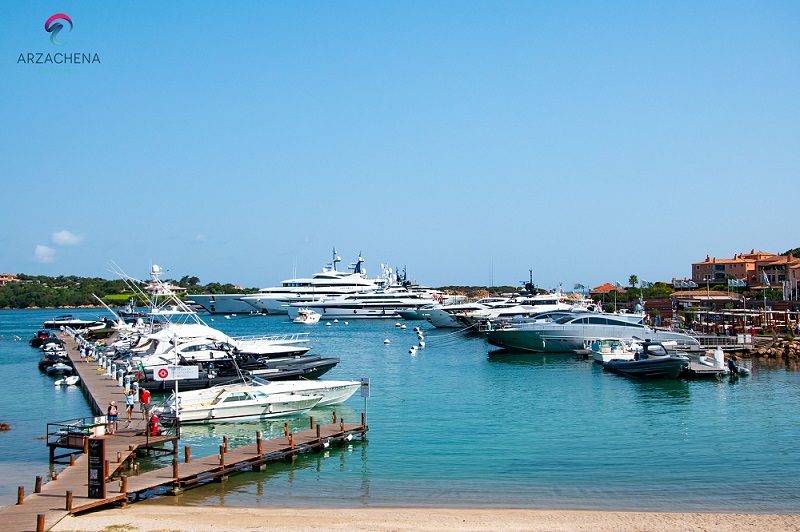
column 467, row 142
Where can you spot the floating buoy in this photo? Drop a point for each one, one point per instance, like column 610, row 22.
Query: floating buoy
column 346, row 323
column 416, row 329
column 335, row 321
column 327, row 324
column 397, row 324
column 227, row 317
column 386, row 341
column 403, row 327
column 422, row 344
column 420, row 337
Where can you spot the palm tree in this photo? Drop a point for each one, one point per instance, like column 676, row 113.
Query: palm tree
column 633, row 280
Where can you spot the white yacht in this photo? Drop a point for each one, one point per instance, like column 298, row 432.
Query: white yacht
column 451, row 316
column 329, row 282
column 384, row 303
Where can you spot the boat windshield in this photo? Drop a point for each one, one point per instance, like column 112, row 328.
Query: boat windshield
column 564, row 319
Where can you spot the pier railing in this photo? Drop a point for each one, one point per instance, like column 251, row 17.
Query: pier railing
column 71, row 433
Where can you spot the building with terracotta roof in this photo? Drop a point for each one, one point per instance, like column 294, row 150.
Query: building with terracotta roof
column 8, row 278
column 758, row 269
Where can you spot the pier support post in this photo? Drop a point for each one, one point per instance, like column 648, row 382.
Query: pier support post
column 222, row 477
column 55, row 475
column 69, row 501
column 39, row 522
column 20, row 495
column 86, row 446
column 136, row 469
column 187, row 454
column 37, row 487
column 176, row 486
column 318, row 432
column 286, row 429
column 175, row 447
column 123, row 485
column 260, row 452
column 334, row 416
column 119, row 457
column 106, row 469
column 291, row 441
column 342, row 425
column 312, row 422
column 72, row 459
column 225, row 443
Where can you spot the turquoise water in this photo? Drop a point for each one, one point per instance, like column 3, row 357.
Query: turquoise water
column 455, row 425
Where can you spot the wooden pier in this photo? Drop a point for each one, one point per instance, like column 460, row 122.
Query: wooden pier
column 68, row 492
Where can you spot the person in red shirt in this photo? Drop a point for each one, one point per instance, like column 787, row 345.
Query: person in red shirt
column 144, row 401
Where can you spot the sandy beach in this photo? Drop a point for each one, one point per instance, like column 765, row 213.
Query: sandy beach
column 145, row 517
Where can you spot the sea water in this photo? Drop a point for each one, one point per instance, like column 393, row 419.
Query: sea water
column 457, row 424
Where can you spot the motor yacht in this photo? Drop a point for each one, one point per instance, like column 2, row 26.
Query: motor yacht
column 330, row 282
column 307, row 316
column 384, row 303
column 573, row 332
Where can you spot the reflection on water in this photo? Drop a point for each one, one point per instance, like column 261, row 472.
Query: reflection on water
column 528, row 358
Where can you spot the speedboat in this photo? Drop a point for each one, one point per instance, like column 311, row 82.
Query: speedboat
column 652, row 360
column 606, row 349
column 72, row 380
column 307, row 316
column 236, row 402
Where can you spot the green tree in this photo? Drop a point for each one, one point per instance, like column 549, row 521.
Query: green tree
column 633, row 280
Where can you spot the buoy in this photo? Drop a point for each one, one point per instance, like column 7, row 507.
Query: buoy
column 420, row 337
column 403, row 327
column 422, row 344
column 346, row 323
column 335, row 321
column 397, row 324
column 227, row 317
column 327, row 324
column 386, row 341
column 416, row 329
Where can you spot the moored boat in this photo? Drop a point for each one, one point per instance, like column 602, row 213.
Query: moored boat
column 652, row 361
column 307, row 316
column 235, row 402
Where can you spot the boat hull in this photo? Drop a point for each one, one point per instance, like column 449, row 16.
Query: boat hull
column 659, row 368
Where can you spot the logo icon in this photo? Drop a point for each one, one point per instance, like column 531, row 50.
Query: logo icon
column 55, row 24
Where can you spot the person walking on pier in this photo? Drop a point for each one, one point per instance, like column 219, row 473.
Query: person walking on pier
column 144, row 400
column 111, row 426
column 130, row 400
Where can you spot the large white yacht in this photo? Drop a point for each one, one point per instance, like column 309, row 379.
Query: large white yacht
column 382, row 303
column 330, row 282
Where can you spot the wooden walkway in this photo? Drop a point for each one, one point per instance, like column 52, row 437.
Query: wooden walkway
column 68, row 492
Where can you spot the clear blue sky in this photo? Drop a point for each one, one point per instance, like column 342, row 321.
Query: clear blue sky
column 468, row 141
